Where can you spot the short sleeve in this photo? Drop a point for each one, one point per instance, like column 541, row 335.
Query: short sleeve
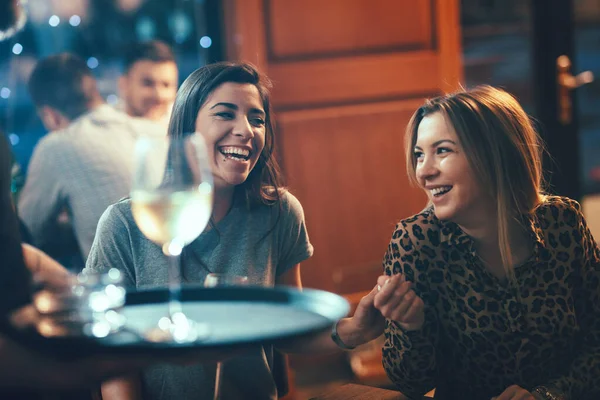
column 294, row 244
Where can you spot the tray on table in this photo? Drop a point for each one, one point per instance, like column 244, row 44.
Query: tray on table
column 239, row 316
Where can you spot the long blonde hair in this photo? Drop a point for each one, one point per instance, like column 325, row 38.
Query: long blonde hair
column 502, row 147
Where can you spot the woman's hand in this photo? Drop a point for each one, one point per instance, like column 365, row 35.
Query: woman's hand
column 515, row 392
column 367, row 320
column 391, row 298
column 397, row 301
column 43, row 268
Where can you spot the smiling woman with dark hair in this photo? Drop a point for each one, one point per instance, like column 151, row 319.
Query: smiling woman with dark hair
column 257, row 230
column 263, row 180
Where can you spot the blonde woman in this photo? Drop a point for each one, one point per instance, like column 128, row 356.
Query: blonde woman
column 502, row 294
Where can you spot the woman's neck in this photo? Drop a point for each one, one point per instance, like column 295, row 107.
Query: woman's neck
column 223, row 201
column 483, row 231
column 487, row 244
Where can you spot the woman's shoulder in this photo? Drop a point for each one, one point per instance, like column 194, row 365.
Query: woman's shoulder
column 288, row 200
column 559, row 202
column 281, row 205
column 426, row 219
column 289, row 207
column 426, row 216
column 424, row 228
column 122, row 206
column 284, row 200
column 118, row 213
column 558, row 208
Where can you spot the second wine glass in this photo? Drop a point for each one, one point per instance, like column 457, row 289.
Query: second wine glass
column 171, row 197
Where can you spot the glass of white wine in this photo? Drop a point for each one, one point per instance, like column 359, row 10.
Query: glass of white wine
column 214, row 280
column 171, row 197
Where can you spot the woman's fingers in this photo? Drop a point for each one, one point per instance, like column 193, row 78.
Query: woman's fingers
column 383, row 280
column 398, row 311
column 406, row 311
column 395, row 298
column 417, row 307
column 388, row 295
column 386, row 287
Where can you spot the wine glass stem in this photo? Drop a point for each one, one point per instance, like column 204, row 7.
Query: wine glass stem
column 218, row 377
column 174, row 285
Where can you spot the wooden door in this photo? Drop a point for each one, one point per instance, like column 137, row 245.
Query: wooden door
column 347, row 76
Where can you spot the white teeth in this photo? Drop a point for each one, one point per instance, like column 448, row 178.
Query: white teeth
column 440, row 190
column 235, row 150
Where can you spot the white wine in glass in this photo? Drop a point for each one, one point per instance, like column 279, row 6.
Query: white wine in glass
column 171, row 197
column 169, row 216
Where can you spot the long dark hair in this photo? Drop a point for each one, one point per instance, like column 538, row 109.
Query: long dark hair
column 264, row 181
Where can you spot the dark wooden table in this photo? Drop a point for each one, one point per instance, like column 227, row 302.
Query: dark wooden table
column 360, row 392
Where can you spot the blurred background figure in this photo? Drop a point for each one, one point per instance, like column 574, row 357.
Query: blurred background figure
column 83, row 165
column 97, row 31
column 149, row 83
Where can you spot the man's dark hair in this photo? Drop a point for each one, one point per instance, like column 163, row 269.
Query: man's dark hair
column 64, row 82
column 153, row 50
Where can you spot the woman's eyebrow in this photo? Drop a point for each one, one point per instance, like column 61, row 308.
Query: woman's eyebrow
column 228, row 105
column 257, row 111
column 436, row 144
column 234, row 107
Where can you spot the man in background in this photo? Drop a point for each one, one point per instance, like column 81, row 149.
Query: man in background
column 85, row 163
column 149, row 83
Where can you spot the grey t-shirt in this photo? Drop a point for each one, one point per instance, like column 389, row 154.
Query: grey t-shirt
column 261, row 243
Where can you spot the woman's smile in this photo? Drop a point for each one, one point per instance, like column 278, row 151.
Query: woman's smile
column 232, row 122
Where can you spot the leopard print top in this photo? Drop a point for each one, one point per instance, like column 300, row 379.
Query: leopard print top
column 481, row 336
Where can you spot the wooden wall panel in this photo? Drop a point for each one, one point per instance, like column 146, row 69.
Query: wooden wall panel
column 337, row 81
column 347, row 166
column 313, row 28
column 347, row 75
